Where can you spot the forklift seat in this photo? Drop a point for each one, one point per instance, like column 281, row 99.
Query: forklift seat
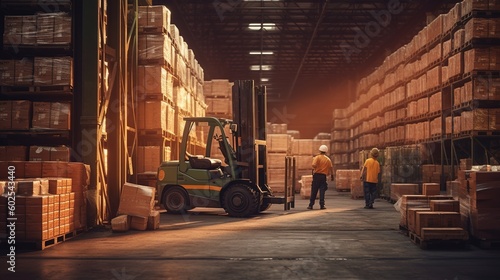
column 201, row 162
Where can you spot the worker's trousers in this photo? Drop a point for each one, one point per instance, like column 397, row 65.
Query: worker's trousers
column 318, row 184
column 370, row 190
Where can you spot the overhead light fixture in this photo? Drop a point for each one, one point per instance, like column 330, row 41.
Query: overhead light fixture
column 261, row 67
column 262, row 0
column 264, row 79
column 261, row 53
column 263, row 26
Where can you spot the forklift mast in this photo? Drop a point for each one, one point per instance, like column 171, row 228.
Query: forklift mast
column 250, row 114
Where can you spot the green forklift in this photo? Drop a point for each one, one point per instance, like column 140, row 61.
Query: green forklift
column 238, row 182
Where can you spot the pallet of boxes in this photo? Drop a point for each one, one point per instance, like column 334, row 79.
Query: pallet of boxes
column 136, row 209
column 47, row 201
column 479, row 194
column 155, row 88
column 431, row 218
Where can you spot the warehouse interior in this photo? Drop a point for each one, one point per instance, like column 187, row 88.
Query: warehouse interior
column 94, row 96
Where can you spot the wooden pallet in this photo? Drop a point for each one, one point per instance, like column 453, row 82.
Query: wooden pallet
column 153, row 30
column 47, row 243
column 487, row 244
column 439, row 237
column 59, row 89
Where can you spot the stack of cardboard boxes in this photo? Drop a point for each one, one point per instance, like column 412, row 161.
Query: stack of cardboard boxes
column 431, row 216
column 479, row 195
column 50, row 200
column 136, row 209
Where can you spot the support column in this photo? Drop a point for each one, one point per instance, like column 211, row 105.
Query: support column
column 86, row 127
column 116, row 114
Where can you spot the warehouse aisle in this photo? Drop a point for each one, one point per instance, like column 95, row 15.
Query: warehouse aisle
column 343, row 242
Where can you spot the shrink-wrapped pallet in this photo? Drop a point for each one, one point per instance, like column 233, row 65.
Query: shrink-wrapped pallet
column 152, row 115
column 478, row 119
column 23, row 72
column 154, row 16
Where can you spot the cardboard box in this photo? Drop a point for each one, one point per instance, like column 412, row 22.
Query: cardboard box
column 148, row 158
column 412, row 217
column 60, row 115
column 136, row 200
column 445, row 205
column 56, row 185
column 62, row 71
column 59, row 154
column 279, row 143
column 43, row 71
column 431, row 189
column 21, row 114
column 62, row 29
column 28, row 187
column 120, row 223
column 80, row 176
column 138, row 223
column 13, row 30
column 29, row 32
column 38, row 153
column 400, row 189
column 41, row 115
column 54, row 169
column 45, row 29
column 436, row 220
column 154, row 220
column 5, row 114
column 152, row 80
column 154, row 16
column 13, row 153
column 23, row 75
column 153, row 115
column 44, row 186
column 7, row 72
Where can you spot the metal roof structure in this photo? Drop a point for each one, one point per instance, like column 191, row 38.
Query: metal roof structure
column 294, row 46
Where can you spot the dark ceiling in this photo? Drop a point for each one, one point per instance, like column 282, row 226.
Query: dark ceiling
column 316, row 45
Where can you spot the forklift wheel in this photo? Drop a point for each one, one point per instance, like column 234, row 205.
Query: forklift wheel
column 265, row 206
column 241, row 201
column 176, row 200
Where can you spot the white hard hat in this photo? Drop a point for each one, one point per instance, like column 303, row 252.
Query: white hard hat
column 323, row 148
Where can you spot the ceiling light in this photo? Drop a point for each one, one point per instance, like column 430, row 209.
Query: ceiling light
column 261, row 67
column 264, row 79
column 264, row 26
column 262, row 53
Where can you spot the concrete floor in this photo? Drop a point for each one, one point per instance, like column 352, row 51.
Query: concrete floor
column 343, row 242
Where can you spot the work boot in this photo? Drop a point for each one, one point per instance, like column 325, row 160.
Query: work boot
column 309, row 207
column 323, row 207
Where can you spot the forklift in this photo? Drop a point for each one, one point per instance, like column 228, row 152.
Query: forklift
column 238, row 183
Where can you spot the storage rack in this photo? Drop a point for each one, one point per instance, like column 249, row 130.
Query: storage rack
column 383, row 116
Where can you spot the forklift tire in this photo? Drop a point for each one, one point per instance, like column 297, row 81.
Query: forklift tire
column 265, row 206
column 176, row 200
column 241, row 201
